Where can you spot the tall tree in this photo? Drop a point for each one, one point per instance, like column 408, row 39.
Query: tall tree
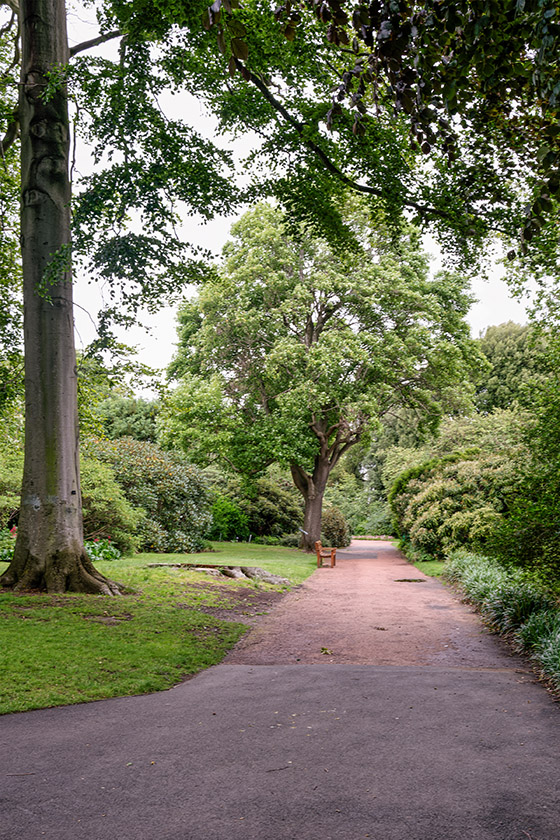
column 159, row 163
column 49, row 549
column 294, row 350
column 478, row 80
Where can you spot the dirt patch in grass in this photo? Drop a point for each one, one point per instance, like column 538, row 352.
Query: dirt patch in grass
column 108, row 619
column 238, row 603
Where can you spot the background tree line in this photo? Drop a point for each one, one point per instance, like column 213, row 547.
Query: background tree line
column 487, row 167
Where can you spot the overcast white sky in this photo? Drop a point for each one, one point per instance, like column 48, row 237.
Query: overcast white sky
column 495, row 305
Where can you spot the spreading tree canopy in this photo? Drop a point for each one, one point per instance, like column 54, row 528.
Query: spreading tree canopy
column 517, row 360
column 148, row 167
column 292, row 350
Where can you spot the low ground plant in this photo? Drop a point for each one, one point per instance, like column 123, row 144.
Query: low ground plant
column 102, row 549
column 7, row 544
column 511, row 604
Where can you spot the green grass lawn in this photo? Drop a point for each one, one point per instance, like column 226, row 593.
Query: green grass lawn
column 433, row 568
column 59, row 649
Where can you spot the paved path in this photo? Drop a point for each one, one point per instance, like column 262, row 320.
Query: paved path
column 464, row 745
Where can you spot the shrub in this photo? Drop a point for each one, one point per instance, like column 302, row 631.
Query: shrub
column 229, row 522
column 102, row 550
column 7, row 544
column 170, row 490
column 128, row 417
column 268, row 540
column 452, row 501
column 512, row 605
column 530, row 535
column 291, row 540
column 107, row 511
column 11, row 470
column 273, row 507
column 335, row 528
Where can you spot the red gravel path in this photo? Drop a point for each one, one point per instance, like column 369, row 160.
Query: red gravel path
column 373, row 608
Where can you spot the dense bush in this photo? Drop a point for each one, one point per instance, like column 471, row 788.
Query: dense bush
column 108, row 514
column 7, row 544
column 511, row 604
column 128, row 417
column 291, row 540
column 273, row 506
column 529, row 537
column 229, row 522
column 335, row 528
column 11, row 469
column 452, row 501
column 101, row 549
column 171, row 492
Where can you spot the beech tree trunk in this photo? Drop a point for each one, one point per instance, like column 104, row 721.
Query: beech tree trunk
column 49, row 552
column 312, row 487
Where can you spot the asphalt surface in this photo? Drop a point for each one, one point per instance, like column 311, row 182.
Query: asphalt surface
column 306, row 751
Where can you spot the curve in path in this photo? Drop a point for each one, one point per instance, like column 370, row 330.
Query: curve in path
column 437, row 734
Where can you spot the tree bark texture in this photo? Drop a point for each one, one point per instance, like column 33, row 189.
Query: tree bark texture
column 49, row 552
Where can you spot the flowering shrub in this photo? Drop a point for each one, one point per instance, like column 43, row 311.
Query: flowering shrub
column 102, row 549
column 452, row 501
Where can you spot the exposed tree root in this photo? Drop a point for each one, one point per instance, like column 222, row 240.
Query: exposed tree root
column 63, row 571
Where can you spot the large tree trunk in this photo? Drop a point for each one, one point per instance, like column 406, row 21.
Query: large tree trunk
column 49, row 552
column 312, row 487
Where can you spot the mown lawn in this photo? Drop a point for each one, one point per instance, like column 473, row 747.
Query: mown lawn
column 59, row 649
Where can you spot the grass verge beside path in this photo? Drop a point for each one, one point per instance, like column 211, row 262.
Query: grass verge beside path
column 432, row 568
column 62, row 649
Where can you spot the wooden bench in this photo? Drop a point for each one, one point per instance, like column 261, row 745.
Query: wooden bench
column 326, row 553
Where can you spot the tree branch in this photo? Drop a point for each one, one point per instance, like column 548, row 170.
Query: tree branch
column 94, row 42
column 301, row 479
column 10, row 135
column 327, row 162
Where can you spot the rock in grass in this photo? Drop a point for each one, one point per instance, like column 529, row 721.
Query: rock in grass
column 254, row 573
column 233, row 572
